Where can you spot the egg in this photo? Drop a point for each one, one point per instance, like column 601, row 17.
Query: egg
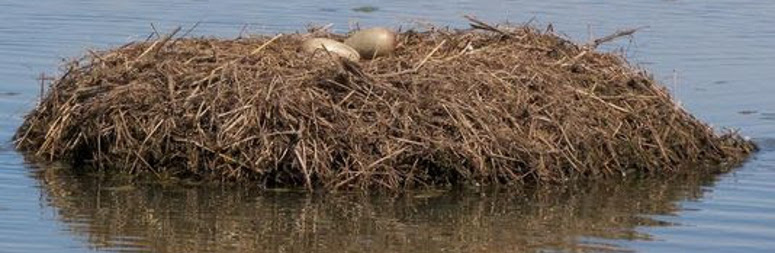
column 318, row 45
column 373, row 42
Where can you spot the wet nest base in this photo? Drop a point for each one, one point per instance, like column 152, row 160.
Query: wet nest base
column 450, row 107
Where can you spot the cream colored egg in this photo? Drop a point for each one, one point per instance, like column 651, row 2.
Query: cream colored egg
column 320, row 45
column 373, row 42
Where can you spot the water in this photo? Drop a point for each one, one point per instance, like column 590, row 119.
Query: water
column 715, row 56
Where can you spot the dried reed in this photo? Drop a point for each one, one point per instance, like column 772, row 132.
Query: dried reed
column 493, row 105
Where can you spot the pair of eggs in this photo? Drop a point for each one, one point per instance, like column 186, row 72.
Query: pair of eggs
column 368, row 44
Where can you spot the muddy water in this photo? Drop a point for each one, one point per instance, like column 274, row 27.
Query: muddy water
column 716, row 56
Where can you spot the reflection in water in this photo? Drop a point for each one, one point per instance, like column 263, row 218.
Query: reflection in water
column 112, row 215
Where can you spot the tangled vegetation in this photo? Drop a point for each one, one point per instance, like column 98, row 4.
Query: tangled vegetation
column 489, row 105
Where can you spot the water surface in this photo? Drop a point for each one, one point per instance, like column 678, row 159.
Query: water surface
column 715, row 56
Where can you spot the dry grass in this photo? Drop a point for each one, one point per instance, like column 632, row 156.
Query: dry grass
column 486, row 106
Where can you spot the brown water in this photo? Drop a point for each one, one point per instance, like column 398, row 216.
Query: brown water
column 716, row 56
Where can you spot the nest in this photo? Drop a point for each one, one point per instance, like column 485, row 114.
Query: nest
column 449, row 107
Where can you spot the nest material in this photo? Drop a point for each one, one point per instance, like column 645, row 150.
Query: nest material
column 449, row 107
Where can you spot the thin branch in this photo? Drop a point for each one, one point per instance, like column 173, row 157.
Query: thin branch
column 478, row 24
column 618, row 34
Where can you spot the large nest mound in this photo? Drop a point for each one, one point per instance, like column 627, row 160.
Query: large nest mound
column 449, row 107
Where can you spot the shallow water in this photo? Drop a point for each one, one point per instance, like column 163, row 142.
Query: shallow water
column 715, row 56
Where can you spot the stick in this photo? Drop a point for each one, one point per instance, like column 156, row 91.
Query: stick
column 191, row 29
column 155, row 31
column 258, row 50
column 619, row 108
column 428, row 57
column 613, row 36
column 416, row 68
column 169, row 37
column 160, row 43
column 242, row 31
column 478, row 24
column 42, row 88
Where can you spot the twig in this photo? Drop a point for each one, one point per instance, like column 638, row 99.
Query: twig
column 314, row 29
column 621, row 33
column 43, row 80
column 416, row 68
column 190, row 29
column 619, row 108
column 155, row 31
column 385, row 158
column 427, row 57
column 258, row 50
column 529, row 21
column 157, row 45
column 168, row 37
column 242, row 31
column 478, row 24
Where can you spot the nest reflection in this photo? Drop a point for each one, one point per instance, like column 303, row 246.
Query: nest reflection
column 114, row 215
